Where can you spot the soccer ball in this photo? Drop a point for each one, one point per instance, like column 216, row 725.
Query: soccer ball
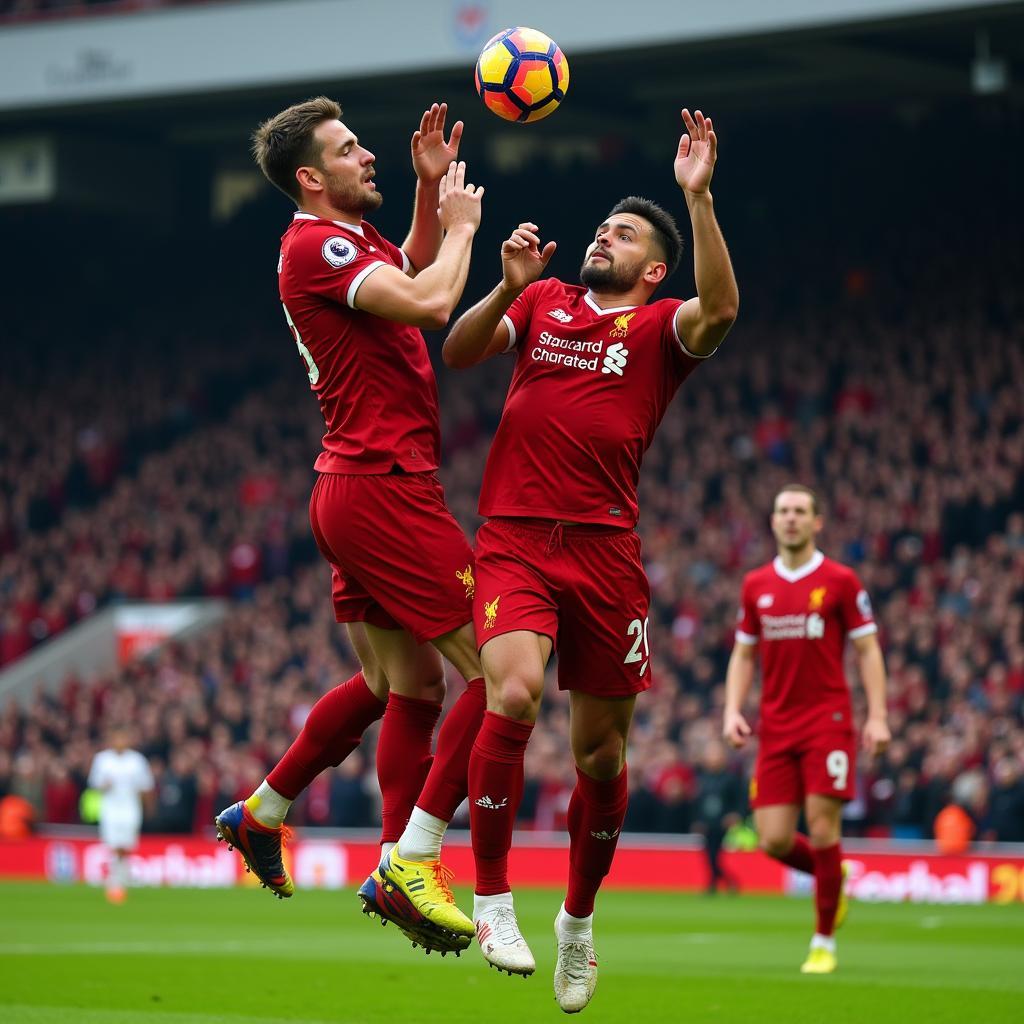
column 522, row 75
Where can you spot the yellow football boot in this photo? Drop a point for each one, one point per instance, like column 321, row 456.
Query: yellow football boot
column 819, row 961
column 417, row 897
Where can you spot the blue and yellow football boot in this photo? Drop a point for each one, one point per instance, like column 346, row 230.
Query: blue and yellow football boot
column 260, row 847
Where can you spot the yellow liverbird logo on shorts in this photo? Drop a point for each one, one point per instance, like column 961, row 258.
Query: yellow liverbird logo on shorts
column 466, row 579
column 621, row 325
column 817, row 598
column 491, row 612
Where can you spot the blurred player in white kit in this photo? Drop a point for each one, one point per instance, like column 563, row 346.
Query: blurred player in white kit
column 122, row 776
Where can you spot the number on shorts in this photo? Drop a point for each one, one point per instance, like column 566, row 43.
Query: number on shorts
column 313, row 371
column 837, row 764
column 638, row 627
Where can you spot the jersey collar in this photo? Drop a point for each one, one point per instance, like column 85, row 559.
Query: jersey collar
column 357, row 228
column 589, row 300
column 793, row 575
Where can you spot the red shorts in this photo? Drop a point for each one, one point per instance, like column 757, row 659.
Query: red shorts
column 787, row 770
column 582, row 586
column 400, row 559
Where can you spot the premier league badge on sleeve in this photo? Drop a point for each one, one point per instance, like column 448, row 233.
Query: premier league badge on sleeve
column 339, row 251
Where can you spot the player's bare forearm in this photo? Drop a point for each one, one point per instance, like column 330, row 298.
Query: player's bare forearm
column 712, row 268
column 704, row 322
column 871, row 666
column 428, row 300
column 424, row 239
column 739, row 676
column 479, row 333
column 441, row 284
column 738, row 679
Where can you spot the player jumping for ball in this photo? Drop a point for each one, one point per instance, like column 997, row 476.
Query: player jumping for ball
column 800, row 609
column 558, row 561
column 402, row 569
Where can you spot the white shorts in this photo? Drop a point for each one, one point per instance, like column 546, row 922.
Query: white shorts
column 120, row 831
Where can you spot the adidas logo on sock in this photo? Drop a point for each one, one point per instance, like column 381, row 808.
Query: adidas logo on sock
column 487, row 802
column 605, row 834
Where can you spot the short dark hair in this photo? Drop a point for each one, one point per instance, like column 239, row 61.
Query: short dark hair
column 285, row 142
column 663, row 227
column 800, row 489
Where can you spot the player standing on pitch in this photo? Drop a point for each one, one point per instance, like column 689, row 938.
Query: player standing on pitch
column 799, row 609
column 558, row 562
column 402, row 568
column 123, row 778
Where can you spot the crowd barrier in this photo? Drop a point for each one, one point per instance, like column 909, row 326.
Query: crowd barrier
column 882, row 874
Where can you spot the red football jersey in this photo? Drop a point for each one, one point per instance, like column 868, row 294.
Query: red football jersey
column 372, row 377
column 801, row 619
column 589, row 389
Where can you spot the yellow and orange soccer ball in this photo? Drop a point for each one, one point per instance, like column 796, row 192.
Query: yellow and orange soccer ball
column 522, row 75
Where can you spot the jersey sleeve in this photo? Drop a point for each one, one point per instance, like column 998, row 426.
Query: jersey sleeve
column 334, row 266
column 519, row 313
column 97, row 777
column 681, row 360
column 398, row 255
column 143, row 775
column 748, row 624
column 855, row 609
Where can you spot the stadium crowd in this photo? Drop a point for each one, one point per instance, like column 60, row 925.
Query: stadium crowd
column 186, row 473
column 36, row 10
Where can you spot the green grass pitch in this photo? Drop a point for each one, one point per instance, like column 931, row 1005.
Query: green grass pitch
column 238, row 956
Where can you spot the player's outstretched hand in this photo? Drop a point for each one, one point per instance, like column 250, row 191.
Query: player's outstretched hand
column 696, row 154
column 431, row 155
column 522, row 259
column 735, row 730
column 876, row 736
column 458, row 203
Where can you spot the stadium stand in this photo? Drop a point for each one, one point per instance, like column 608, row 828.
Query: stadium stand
column 907, row 418
column 40, row 10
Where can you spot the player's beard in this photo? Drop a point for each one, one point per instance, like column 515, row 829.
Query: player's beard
column 343, row 195
column 609, row 276
column 795, row 543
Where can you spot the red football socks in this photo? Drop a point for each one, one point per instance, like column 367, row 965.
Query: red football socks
column 448, row 781
column 828, row 876
column 495, row 790
column 403, row 759
column 801, row 856
column 597, row 810
column 332, row 730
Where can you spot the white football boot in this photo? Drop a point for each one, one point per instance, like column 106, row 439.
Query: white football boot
column 576, row 967
column 497, row 932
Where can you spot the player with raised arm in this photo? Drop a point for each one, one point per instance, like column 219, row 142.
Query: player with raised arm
column 558, row 561
column 123, row 778
column 402, row 568
column 800, row 609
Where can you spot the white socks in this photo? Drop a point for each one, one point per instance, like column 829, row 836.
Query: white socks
column 117, row 873
column 571, row 928
column 267, row 806
column 481, row 904
column 422, row 838
column 823, row 942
